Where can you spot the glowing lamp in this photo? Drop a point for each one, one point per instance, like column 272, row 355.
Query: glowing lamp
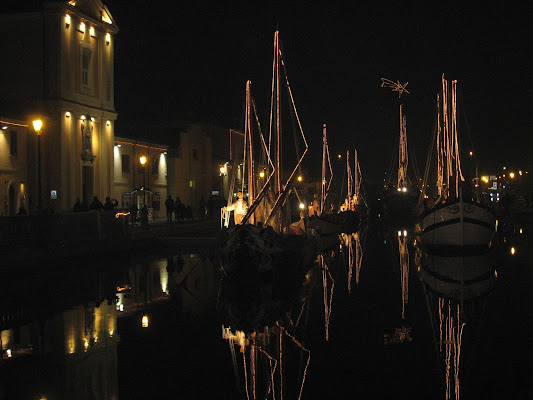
column 37, row 125
column 142, row 160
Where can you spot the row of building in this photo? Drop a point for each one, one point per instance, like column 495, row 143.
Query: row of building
column 58, row 68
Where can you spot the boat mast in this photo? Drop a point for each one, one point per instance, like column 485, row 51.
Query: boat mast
column 324, row 149
column 402, row 148
column 278, row 111
column 249, row 155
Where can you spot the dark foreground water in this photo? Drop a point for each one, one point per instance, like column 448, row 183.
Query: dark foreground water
column 76, row 331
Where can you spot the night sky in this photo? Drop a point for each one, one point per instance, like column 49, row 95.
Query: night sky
column 190, row 60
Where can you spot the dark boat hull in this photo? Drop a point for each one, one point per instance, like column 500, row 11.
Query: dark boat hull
column 264, row 273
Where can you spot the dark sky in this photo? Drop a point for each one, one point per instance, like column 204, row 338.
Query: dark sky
column 190, row 60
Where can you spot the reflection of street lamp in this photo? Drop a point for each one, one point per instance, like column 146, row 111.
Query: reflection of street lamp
column 142, row 159
column 37, row 125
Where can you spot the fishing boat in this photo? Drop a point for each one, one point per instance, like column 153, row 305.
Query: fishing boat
column 451, row 219
column 264, row 262
column 401, row 192
column 267, row 264
column 328, row 225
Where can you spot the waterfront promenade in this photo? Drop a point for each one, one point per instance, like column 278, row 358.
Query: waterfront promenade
column 27, row 241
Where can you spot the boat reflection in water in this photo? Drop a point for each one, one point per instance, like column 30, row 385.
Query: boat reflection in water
column 457, row 287
column 458, row 277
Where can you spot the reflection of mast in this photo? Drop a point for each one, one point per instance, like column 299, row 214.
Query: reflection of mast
column 402, row 155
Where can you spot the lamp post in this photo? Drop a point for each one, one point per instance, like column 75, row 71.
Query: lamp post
column 142, row 160
column 37, row 126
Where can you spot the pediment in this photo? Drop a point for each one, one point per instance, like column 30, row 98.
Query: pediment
column 94, row 9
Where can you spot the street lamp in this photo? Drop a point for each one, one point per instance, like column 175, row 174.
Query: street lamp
column 142, row 160
column 37, row 125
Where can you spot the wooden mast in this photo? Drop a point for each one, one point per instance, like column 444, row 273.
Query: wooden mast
column 278, row 111
column 249, row 148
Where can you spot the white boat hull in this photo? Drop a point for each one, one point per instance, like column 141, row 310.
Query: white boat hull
column 458, row 226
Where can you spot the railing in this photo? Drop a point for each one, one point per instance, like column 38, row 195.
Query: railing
column 38, row 231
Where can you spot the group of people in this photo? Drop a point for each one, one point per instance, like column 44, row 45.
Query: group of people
column 176, row 209
column 95, row 204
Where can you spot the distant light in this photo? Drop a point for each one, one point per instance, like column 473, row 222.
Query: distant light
column 8, row 353
column 91, row 31
column 142, row 160
column 521, row 231
column 262, row 174
column 300, row 178
column 471, row 153
column 399, row 233
column 4, row 127
column 107, row 38
column 144, row 322
column 405, row 233
column 511, row 175
column 82, row 27
column 67, row 20
column 67, row 114
column 485, row 179
column 92, row 119
column 83, row 117
column 404, row 189
column 108, row 122
column 513, row 251
column 302, row 206
column 339, row 156
column 119, row 145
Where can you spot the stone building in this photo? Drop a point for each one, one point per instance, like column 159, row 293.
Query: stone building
column 58, row 67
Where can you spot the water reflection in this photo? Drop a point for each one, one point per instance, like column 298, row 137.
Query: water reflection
column 77, row 332
column 59, row 337
column 59, row 329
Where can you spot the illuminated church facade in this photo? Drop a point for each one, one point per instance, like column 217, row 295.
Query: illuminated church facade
column 58, row 67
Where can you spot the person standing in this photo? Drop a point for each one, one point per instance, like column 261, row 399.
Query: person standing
column 110, row 204
column 96, row 204
column 169, row 203
column 239, row 208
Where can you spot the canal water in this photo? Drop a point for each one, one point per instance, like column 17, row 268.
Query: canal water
column 144, row 325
